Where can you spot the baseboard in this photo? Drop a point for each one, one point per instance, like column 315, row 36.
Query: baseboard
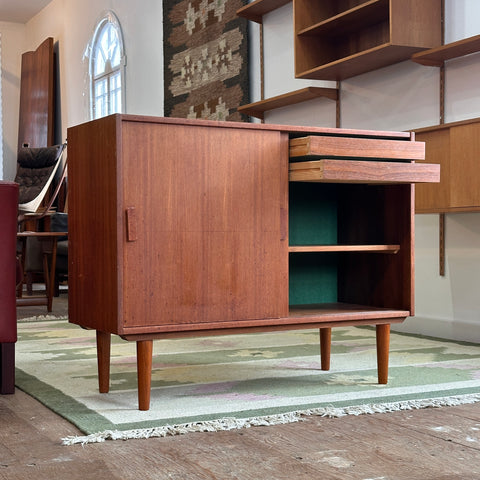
column 462, row 330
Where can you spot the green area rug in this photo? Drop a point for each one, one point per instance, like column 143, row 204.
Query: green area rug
column 236, row 381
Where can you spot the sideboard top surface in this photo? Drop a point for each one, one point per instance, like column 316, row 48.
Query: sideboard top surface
column 291, row 129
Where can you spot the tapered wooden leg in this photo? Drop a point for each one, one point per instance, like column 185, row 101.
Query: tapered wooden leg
column 103, row 361
column 144, row 373
column 383, row 347
column 325, row 347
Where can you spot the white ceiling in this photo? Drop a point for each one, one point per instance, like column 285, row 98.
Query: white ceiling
column 20, row 11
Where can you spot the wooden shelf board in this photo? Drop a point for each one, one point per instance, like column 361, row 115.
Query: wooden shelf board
column 344, row 248
column 345, row 311
column 366, row 14
column 465, row 209
column 361, row 171
column 254, row 11
column 258, row 109
column 435, row 57
column 374, row 58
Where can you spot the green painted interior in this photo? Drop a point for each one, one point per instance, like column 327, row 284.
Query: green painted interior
column 312, row 278
column 312, row 221
column 312, row 214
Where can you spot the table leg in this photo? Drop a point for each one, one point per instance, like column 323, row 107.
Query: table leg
column 103, row 361
column 383, row 346
column 144, row 372
column 51, row 278
column 49, row 272
column 7, row 367
column 325, row 347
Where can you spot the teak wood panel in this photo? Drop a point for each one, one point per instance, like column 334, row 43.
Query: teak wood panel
column 416, row 24
column 213, row 246
column 437, row 150
column 345, row 171
column 456, row 147
column 37, row 97
column 464, row 166
column 356, row 148
column 207, row 236
column 94, row 225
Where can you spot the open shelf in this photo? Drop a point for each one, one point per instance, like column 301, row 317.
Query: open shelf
column 344, row 248
column 436, row 56
column 369, row 13
column 254, row 11
column 349, row 243
column 374, row 58
column 258, row 109
column 361, row 171
column 344, row 312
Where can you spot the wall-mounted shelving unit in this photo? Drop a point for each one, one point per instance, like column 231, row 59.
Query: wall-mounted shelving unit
column 257, row 109
column 454, row 146
column 335, row 39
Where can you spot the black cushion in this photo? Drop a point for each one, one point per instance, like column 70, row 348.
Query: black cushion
column 35, row 165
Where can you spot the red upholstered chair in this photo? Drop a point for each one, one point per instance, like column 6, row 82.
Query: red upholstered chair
column 8, row 310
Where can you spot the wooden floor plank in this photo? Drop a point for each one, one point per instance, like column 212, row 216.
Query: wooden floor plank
column 454, row 425
column 397, row 446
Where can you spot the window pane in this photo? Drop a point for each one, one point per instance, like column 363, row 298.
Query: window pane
column 115, row 93
column 115, row 55
column 99, row 61
column 107, row 69
column 101, row 98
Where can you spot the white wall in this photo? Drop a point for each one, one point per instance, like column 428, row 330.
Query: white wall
column 71, row 24
column 399, row 97
column 13, row 44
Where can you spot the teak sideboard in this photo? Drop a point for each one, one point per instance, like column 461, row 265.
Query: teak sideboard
column 187, row 227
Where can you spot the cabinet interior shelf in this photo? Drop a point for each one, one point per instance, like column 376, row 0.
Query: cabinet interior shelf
column 344, row 311
column 257, row 109
column 254, row 11
column 369, row 13
column 435, row 57
column 344, row 248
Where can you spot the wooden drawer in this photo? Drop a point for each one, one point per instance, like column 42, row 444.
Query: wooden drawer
column 358, row 171
column 352, row 147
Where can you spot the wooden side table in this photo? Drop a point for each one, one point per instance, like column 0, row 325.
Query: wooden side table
column 49, row 250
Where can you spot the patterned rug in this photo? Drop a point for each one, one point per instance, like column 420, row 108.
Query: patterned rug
column 205, row 59
column 236, row 381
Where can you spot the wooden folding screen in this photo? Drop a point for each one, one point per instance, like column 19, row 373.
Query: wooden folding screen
column 37, row 97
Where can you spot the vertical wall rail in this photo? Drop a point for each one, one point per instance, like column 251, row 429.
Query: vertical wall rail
column 441, row 220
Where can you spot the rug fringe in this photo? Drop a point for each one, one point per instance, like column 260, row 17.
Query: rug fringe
column 225, row 424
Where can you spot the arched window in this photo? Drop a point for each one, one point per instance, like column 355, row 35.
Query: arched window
column 107, row 68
